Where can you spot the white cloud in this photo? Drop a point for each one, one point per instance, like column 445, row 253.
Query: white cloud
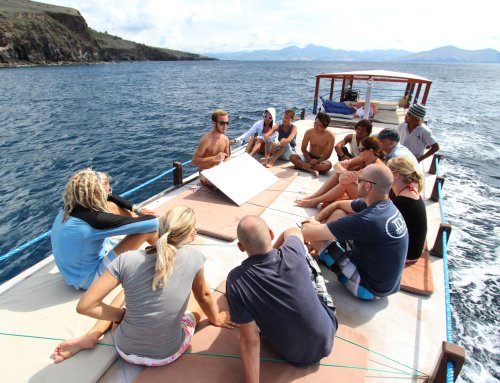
column 232, row 25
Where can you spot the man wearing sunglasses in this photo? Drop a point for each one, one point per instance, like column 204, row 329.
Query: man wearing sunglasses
column 213, row 148
column 369, row 262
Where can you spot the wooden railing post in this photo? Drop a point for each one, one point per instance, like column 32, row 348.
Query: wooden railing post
column 435, row 193
column 437, row 249
column 432, row 168
column 177, row 174
column 449, row 351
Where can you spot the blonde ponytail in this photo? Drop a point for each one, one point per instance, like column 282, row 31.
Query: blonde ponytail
column 175, row 227
column 406, row 168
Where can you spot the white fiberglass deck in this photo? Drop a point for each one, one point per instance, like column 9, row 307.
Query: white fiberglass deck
column 406, row 327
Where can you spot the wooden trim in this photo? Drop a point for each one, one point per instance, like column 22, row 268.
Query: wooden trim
column 432, row 168
column 435, row 194
column 177, row 174
column 437, row 249
column 449, row 351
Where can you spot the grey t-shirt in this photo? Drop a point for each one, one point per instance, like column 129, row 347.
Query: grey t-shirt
column 152, row 324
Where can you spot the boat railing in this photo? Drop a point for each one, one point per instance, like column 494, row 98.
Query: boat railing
column 386, row 94
column 178, row 180
column 452, row 356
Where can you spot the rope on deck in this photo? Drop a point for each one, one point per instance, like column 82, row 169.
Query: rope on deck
column 414, row 373
column 450, row 371
column 46, row 234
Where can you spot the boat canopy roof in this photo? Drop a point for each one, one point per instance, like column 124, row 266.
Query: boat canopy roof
column 415, row 85
column 377, row 75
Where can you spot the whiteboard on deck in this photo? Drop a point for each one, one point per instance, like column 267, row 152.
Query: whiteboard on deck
column 241, row 178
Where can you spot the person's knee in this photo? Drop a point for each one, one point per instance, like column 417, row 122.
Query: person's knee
column 295, row 158
column 336, row 214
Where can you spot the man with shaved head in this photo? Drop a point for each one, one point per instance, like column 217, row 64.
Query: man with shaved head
column 370, row 261
column 278, row 291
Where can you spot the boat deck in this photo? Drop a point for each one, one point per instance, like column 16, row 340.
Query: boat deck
column 404, row 327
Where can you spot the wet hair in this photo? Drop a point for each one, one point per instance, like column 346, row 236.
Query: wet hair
column 290, row 113
column 174, row 228
column 217, row 113
column 367, row 124
column 406, row 168
column 85, row 188
column 374, row 144
column 324, row 119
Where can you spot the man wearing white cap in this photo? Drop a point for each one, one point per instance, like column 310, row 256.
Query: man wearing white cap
column 415, row 135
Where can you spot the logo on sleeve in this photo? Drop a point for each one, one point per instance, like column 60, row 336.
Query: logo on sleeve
column 395, row 226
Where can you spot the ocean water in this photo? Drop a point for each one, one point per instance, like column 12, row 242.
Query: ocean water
column 134, row 119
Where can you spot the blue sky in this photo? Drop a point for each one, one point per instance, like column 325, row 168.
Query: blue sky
column 233, row 25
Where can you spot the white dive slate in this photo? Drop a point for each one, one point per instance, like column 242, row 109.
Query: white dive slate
column 241, row 178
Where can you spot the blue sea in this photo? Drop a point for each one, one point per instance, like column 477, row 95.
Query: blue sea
column 134, row 119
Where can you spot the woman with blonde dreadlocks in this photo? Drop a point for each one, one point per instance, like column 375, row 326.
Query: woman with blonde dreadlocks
column 155, row 328
column 81, row 230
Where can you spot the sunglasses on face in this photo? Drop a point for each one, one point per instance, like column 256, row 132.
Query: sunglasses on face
column 223, row 123
column 363, row 180
column 268, row 117
column 362, row 149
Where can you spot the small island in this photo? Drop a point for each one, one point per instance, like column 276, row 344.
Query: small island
column 33, row 33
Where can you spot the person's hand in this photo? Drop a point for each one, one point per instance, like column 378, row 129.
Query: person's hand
column 145, row 211
column 224, row 320
column 220, row 157
column 345, row 163
column 310, row 220
column 313, row 162
column 283, row 142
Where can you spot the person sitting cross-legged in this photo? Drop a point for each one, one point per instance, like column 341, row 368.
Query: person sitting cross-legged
column 320, row 142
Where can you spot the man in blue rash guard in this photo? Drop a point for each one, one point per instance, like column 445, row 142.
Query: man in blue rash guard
column 81, row 230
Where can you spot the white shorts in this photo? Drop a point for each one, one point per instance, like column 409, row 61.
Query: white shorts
column 188, row 325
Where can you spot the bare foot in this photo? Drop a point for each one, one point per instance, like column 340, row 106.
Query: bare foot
column 70, row 347
column 315, row 173
column 268, row 165
column 306, row 202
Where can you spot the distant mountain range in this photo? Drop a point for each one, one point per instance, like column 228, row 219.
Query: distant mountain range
column 319, row 53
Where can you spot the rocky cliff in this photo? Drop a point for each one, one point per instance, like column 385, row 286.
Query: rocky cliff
column 37, row 33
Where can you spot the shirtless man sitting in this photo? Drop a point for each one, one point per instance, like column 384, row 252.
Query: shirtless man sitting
column 213, row 148
column 320, row 141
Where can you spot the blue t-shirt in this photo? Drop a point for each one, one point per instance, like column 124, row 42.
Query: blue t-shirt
column 379, row 241
column 275, row 290
column 80, row 243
